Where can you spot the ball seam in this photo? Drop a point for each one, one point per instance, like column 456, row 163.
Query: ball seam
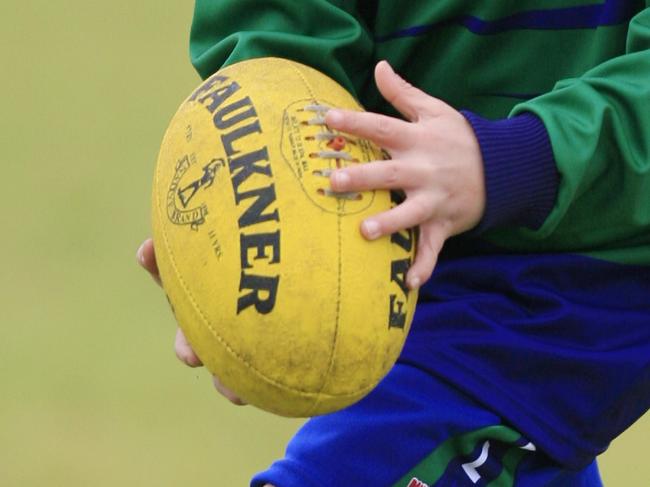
column 222, row 340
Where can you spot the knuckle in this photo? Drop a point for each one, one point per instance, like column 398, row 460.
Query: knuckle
column 383, row 127
column 401, row 97
column 419, row 210
column 352, row 122
column 349, row 121
column 364, row 176
column 391, row 222
column 402, row 91
column 392, row 173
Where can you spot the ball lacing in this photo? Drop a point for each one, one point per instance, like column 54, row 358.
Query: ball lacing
column 336, row 143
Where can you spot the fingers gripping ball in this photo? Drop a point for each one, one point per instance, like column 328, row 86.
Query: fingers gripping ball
column 269, row 278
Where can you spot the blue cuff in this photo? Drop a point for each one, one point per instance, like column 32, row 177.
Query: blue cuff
column 521, row 177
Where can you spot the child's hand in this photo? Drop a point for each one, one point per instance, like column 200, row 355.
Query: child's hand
column 435, row 159
column 147, row 259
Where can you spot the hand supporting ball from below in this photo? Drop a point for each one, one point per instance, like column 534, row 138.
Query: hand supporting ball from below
column 147, row 259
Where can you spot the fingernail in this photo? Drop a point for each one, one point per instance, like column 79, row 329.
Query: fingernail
column 371, row 229
column 387, row 64
column 140, row 254
column 334, row 117
column 340, row 179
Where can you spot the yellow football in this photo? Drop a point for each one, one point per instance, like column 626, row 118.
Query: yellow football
column 265, row 268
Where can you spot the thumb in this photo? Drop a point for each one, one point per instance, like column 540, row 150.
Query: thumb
column 406, row 98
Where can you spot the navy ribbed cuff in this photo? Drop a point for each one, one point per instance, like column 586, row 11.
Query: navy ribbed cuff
column 521, row 177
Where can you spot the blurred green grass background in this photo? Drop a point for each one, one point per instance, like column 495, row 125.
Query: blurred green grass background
column 91, row 393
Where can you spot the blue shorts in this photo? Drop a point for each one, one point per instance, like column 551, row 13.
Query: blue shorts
column 517, row 370
column 415, row 430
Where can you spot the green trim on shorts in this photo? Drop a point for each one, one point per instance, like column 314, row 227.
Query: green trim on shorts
column 433, row 466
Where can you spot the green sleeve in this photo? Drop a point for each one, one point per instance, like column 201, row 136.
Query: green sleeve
column 326, row 35
column 599, row 127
